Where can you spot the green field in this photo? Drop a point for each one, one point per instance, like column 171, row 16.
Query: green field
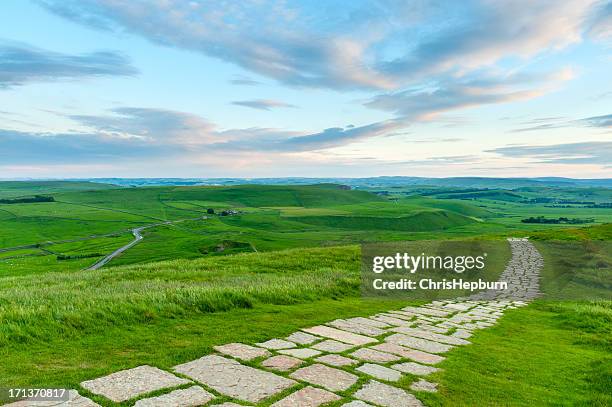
column 288, row 258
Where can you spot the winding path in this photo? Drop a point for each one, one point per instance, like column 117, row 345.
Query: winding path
column 324, row 364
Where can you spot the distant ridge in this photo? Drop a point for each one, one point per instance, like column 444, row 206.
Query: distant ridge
column 386, row 181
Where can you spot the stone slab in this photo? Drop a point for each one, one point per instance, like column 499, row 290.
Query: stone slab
column 74, row 400
column 302, row 353
column 302, row 338
column 326, row 377
column 387, row 396
column 282, row 363
column 418, row 343
column 230, row 378
column 130, row 383
column 356, row 327
column 417, row 355
column 192, row 397
column 276, row 344
column 380, row 372
column 357, row 403
column 373, row 355
column 332, row 346
column 336, row 360
column 426, row 311
column 424, row 385
column 432, row 336
column 415, row 368
column 339, row 335
column 241, row 351
column 307, row 397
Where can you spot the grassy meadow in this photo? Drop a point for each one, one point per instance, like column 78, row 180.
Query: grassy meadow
column 287, row 259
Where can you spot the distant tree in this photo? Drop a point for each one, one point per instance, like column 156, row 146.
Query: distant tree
column 210, row 211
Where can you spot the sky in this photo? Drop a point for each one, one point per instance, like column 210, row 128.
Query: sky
column 253, row 88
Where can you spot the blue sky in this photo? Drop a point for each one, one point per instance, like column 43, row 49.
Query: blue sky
column 173, row 88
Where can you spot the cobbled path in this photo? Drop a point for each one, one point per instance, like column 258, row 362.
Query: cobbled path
column 352, row 362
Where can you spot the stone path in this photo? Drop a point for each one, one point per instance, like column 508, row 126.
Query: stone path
column 353, row 362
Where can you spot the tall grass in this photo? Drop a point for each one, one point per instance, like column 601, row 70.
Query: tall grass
column 40, row 307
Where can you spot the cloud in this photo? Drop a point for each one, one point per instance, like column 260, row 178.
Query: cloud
column 601, row 23
column 598, row 121
column 244, row 80
column 21, row 64
column 152, row 125
column 131, row 132
column 592, row 152
column 385, row 45
column 422, row 104
column 604, row 121
column 262, row 104
column 22, row 148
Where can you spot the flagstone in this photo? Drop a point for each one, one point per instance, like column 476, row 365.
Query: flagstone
column 307, row 397
column 432, row 336
column 424, row 385
column 302, row 338
column 190, row 397
column 408, row 353
column 326, row 377
column 332, row 346
column 276, row 344
column 336, row 360
column 380, row 372
column 418, row 343
column 387, row 396
column 230, row 378
column 127, row 384
column 302, row 353
column 241, row 351
column 357, row 328
column 282, row 363
column 373, row 355
column 415, row 368
column 357, row 403
column 339, row 335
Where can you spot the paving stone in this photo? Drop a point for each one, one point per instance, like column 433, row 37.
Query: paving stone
column 418, row 343
column 229, row 377
column 357, row 403
column 432, row 336
column 387, row 396
column 424, row 385
column 380, row 372
column 408, row 316
column 336, row 360
column 390, row 319
column 276, row 344
column 461, row 333
column 127, row 384
column 413, row 354
column 373, row 355
column 356, row 327
column 324, row 376
column 302, row 338
column 227, row 404
column 332, row 346
column 74, row 400
column 241, row 351
column 426, row 311
column 368, row 321
column 415, row 368
column 282, row 363
column 302, row 353
column 339, row 335
column 191, row 397
column 307, row 397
